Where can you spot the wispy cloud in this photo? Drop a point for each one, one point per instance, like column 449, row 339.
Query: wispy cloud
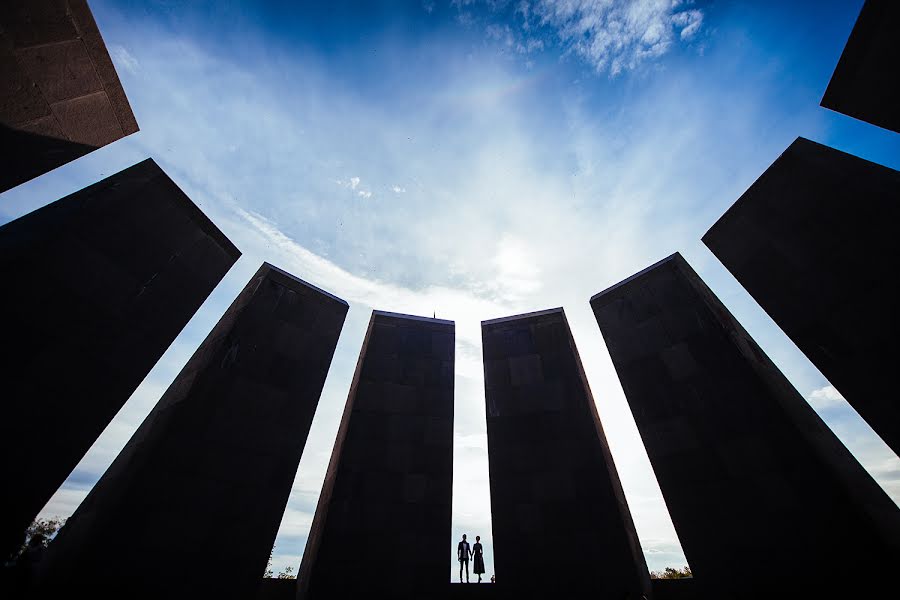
column 610, row 35
column 353, row 185
column 466, row 306
column 615, row 35
column 123, row 59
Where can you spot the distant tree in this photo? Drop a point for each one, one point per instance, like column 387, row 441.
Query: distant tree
column 671, row 573
column 268, row 571
column 287, row 573
column 47, row 528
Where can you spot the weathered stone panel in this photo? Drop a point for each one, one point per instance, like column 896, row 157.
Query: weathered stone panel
column 61, row 97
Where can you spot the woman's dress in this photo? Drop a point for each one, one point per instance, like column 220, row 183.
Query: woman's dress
column 479, row 558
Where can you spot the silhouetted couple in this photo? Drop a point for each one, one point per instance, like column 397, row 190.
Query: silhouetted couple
column 476, row 552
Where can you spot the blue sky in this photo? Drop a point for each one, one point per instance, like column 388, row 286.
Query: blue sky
column 472, row 159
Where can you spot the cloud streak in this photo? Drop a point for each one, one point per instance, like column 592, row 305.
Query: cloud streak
column 123, row 59
column 612, row 36
column 448, row 302
column 618, row 35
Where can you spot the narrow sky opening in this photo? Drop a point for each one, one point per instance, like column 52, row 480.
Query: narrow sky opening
column 471, row 487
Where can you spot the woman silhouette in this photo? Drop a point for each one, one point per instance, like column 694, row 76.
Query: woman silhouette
column 478, row 555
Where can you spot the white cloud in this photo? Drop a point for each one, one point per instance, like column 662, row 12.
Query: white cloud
column 64, row 502
column 825, row 398
column 353, row 185
column 123, row 58
column 611, row 35
column 615, row 35
column 517, row 273
column 465, row 306
column 398, row 190
column 296, row 521
column 690, row 22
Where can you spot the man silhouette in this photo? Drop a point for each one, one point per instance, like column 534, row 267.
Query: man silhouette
column 463, row 552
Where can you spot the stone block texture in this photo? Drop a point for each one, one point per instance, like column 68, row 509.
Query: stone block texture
column 97, row 285
column 814, row 240
column 865, row 84
column 191, row 506
column 382, row 525
column 561, row 525
column 61, row 97
column 751, row 475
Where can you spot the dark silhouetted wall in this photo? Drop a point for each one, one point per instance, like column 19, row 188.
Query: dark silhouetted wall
column 561, row 524
column 382, row 526
column 814, row 241
column 95, row 288
column 766, row 501
column 865, row 84
column 191, row 506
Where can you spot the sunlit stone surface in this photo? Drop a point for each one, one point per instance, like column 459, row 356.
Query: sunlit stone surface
column 61, row 97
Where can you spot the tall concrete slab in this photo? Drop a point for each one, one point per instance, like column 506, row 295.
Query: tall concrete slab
column 766, row 501
column 865, row 84
column 61, row 97
column 96, row 286
column 814, row 242
column 191, row 506
column 561, row 525
column 382, row 525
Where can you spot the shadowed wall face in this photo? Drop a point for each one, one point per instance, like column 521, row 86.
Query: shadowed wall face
column 814, row 242
column 750, row 474
column 97, row 285
column 191, row 506
column 61, row 96
column 865, row 84
column 382, row 526
column 560, row 520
